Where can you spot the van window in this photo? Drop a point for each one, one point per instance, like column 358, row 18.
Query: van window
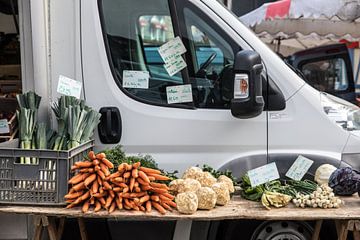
column 327, row 75
column 133, row 32
column 212, row 58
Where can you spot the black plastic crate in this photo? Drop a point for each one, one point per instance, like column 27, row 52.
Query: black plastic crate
column 44, row 183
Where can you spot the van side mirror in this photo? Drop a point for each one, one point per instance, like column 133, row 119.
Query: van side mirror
column 247, row 101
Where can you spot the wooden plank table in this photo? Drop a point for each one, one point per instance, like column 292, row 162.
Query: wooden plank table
column 347, row 217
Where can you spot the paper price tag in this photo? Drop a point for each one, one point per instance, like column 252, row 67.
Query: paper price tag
column 263, row 174
column 299, row 168
column 179, row 94
column 69, row 87
column 171, row 49
column 175, row 66
column 4, row 126
column 136, row 79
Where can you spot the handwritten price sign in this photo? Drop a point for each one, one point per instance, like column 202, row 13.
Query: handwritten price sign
column 69, row 87
column 179, row 94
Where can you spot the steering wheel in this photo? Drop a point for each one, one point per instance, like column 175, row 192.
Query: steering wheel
column 207, row 63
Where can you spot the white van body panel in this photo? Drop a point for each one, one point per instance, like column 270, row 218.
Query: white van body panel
column 177, row 138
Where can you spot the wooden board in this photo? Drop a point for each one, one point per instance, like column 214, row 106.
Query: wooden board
column 236, row 209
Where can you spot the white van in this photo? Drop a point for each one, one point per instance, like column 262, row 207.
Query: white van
column 276, row 118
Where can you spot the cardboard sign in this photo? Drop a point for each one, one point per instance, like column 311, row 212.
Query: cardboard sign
column 179, row 94
column 263, row 174
column 4, row 126
column 299, row 168
column 175, row 66
column 69, row 87
column 136, row 79
column 241, row 86
column 172, row 49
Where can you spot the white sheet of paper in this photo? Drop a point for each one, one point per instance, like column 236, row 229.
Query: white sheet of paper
column 263, row 174
column 4, row 126
column 171, row 49
column 299, row 168
column 136, row 79
column 175, row 66
column 69, row 87
column 179, row 94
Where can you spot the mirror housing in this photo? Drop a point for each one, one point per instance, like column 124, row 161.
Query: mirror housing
column 247, row 101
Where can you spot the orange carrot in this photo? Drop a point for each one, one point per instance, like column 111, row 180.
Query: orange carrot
column 102, row 201
column 101, row 174
column 136, row 165
column 97, row 206
column 90, row 179
column 87, row 170
column 148, row 206
column 136, row 184
column 121, row 167
column 101, row 190
column 159, row 177
column 99, row 180
column 128, row 167
column 150, row 170
column 85, row 207
column 96, row 162
column 99, row 195
column 171, row 203
column 91, row 155
column 73, row 195
column 92, row 201
column 144, row 199
column 168, row 195
column 79, row 186
column 118, row 179
column 123, row 185
column 159, row 185
column 137, row 189
column 85, row 164
column 125, row 190
column 112, row 207
column 142, row 182
column 100, row 156
column 108, row 202
column 119, row 203
column 128, row 203
column 145, row 187
column 158, row 190
column 137, row 195
column 143, row 176
column 142, row 208
column 131, row 185
column 95, row 187
column 158, row 207
column 78, row 178
column 97, row 168
column 127, row 175
column 164, row 205
column 163, row 198
column 73, row 168
column 136, row 201
column 105, row 169
column 113, row 176
column 85, row 196
column 70, row 200
column 151, row 178
column 106, row 185
column 134, row 173
column 117, row 189
column 111, row 193
column 108, row 163
column 155, row 198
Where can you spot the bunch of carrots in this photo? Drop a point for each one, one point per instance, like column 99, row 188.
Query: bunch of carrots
column 131, row 187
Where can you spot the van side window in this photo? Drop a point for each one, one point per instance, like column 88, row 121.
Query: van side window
column 133, row 32
column 212, row 57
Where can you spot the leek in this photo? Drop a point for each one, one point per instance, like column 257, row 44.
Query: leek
column 27, row 123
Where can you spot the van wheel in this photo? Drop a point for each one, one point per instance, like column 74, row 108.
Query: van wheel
column 283, row 230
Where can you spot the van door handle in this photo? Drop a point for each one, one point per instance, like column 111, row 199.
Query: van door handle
column 110, row 126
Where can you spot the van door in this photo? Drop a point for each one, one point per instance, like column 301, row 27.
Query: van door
column 119, row 36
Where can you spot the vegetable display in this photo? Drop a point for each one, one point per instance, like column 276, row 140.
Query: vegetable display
column 130, row 187
column 323, row 197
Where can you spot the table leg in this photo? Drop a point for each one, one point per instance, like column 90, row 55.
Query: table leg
column 342, row 229
column 51, row 227
column 38, row 228
column 356, row 235
column 82, row 229
column 60, row 229
column 317, row 229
